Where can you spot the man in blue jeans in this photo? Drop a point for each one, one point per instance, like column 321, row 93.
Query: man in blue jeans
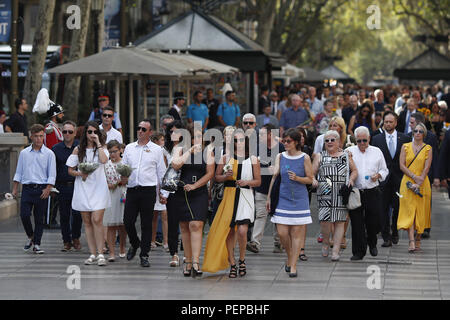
column 70, row 219
column 36, row 171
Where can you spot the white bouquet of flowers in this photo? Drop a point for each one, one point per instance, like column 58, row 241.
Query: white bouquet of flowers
column 87, row 168
column 227, row 167
column 124, row 170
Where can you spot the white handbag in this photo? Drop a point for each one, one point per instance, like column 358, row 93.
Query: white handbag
column 354, row 200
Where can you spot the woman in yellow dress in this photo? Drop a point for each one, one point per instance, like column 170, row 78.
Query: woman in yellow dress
column 415, row 190
column 236, row 211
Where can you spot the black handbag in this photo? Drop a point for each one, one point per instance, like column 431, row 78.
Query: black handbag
column 275, row 195
column 171, row 179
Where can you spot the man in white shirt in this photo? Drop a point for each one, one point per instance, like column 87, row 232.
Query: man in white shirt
column 315, row 104
column 147, row 160
column 107, row 120
column 372, row 169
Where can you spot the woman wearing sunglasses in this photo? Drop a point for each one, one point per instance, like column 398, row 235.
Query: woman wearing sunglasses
column 292, row 213
column 236, row 211
column 415, row 190
column 363, row 117
column 331, row 168
column 91, row 197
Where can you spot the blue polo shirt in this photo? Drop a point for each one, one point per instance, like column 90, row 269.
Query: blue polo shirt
column 197, row 113
column 291, row 118
column 229, row 113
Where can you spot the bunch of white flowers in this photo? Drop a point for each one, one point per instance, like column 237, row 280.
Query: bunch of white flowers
column 88, row 167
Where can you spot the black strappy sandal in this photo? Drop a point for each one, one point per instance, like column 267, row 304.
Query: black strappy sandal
column 196, row 272
column 233, row 272
column 303, row 256
column 242, row 268
column 187, row 272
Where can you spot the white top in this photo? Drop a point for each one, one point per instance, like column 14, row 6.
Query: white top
column 368, row 163
column 1, row 128
column 92, row 194
column 318, row 145
column 394, row 138
column 148, row 164
column 112, row 134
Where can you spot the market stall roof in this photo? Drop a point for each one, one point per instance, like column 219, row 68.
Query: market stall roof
column 136, row 61
column 429, row 65
column 210, row 37
column 333, row 72
column 310, row 75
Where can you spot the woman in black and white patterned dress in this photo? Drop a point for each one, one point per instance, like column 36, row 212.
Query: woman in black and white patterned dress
column 331, row 167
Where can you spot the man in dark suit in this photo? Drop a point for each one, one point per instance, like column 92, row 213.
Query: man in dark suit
column 405, row 116
column 444, row 162
column 178, row 101
column 263, row 99
column 390, row 142
column 431, row 139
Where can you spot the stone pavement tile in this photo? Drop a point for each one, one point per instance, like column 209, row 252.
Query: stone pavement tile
column 350, row 293
column 412, row 284
column 411, row 294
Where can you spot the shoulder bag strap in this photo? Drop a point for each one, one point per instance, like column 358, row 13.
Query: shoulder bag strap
column 416, row 155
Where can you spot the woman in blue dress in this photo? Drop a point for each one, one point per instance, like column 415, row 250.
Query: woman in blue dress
column 292, row 212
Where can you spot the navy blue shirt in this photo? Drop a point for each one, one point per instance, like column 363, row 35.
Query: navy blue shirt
column 62, row 153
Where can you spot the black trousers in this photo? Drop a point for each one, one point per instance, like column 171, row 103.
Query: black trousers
column 365, row 222
column 172, row 225
column 140, row 201
column 70, row 219
column 31, row 202
column 390, row 200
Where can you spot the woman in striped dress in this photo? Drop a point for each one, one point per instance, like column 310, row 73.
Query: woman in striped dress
column 292, row 213
column 332, row 167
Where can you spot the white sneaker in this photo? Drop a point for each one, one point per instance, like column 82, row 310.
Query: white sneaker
column 91, row 260
column 37, row 249
column 153, row 245
column 176, row 262
column 101, row 260
column 166, row 248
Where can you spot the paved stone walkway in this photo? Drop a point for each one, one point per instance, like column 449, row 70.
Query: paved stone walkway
column 423, row 275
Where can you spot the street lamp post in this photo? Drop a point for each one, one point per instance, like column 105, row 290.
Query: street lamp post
column 14, row 55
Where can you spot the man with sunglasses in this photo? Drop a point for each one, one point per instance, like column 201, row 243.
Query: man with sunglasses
column 372, row 169
column 106, row 125
column 96, row 114
column 70, row 219
column 149, row 168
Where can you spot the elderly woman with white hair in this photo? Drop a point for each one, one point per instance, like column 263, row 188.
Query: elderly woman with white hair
column 334, row 168
column 372, row 169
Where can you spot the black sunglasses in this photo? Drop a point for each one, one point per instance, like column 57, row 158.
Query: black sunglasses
column 67, row 131
column 92, row 131
column 248, row 122
column 107, row 115
column 362, row 140
column 239, row 140
column 142, row 129
column 418, row 131
column 330, row 140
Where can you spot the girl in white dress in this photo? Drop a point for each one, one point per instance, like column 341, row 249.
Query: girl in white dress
column 91, row 197
column 113, row 217
column 160, row 209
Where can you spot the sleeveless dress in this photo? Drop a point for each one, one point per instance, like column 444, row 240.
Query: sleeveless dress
column 331, row 170
column 293, row 203
column 114, row 215
column 92, row 194
column 413, row 207
column 237, row 207
column 197, row 200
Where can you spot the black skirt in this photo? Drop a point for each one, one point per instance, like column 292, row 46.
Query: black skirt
column 194, row 209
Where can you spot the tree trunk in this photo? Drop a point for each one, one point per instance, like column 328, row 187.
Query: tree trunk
column 37, row 59
column 265, row 24
column 77, row 49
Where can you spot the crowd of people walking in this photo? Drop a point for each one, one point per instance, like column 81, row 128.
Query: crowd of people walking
column 369, row 162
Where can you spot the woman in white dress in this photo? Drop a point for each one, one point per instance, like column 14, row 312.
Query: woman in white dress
column 113, row 217
column 91, row 195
